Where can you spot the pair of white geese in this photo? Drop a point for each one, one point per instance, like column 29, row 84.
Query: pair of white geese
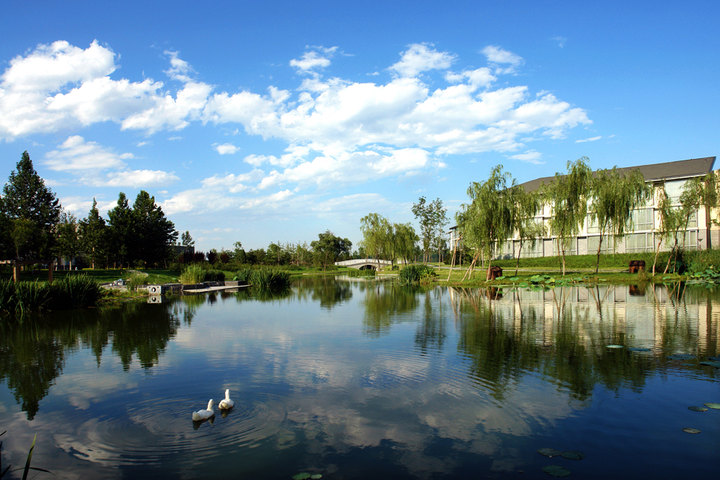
column 225, row 404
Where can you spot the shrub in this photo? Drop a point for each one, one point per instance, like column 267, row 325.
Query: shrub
column 214, row 276
column 243, row 275
column 136, row 279
column 192, row 274
column 413, row 274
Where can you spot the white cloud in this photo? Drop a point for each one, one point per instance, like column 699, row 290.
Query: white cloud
column 531, row 156
column 135, row 178
column 314, row 58
column 560, row 41
column 77, row 154
column 226, row 149
column 499, row 55
column 591, row 139
column 421, row 57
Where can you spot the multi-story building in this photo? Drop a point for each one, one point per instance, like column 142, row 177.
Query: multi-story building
column 643, row 237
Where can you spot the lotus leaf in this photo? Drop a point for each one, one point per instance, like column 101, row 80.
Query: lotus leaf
column 698, row 409
column 556, row 471
column 301, row 476
column 549, row 452
column 691, row 430
column 573, row 455
column 714, row 406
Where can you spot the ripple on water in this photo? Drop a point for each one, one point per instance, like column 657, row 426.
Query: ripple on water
column 166, row 425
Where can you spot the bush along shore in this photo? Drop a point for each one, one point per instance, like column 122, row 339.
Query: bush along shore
column 21, row 298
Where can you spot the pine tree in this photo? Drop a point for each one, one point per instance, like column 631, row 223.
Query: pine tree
column 31, row 212
column 94, row 236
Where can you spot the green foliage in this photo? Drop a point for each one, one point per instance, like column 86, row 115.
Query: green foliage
column 74, row 291
column 328, row 248
column 214, row 276
column 568, row 194
column 243, row 275
column 433, row 218
column 414, row 274
column 31, row 211
column 192, row 274
column 22, row 298
column 272, row 279
column 94, row 236
column 137, row 279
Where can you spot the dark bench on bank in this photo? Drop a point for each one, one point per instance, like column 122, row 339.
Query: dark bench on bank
column 636, row 266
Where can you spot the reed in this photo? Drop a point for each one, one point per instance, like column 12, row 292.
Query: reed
column 192, row 274
column 270, row 279
column 74, row 291
column 413, row 274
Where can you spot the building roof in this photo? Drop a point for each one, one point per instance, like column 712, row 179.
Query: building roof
column 695, row 167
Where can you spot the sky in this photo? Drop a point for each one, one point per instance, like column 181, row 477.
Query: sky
column 273, row 121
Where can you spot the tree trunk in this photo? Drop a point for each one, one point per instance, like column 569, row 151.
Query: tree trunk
column 517, row 263
column 597, row 264
column 472, row 264
column 657, row 252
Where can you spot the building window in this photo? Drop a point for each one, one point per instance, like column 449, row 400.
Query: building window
column 642, row 219
column 639, row 242
column 607, row 244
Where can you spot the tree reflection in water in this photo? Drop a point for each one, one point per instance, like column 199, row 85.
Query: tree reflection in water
column 32, row 354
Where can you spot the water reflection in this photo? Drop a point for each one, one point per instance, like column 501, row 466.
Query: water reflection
column 360, row 379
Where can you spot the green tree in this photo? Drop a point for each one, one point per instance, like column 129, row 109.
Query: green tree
column 704, row 191
column 528, row 229
column 32, row 212
column 432, row 218
column 68, row 238
column 94, row 236
column 328, row 248
column 121, row 231
column 614, row 197
column 489, row 217
column 378, row 237
column 186, row 240
column 405, row 241
column 569, row 196
column 154, row 233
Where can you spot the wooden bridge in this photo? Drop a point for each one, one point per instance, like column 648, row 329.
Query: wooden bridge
column 364, row 263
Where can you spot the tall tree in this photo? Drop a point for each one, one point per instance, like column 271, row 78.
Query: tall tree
column 154, row 233
column 328, row 248
column 704, row 192
column 186, row 240
column 405, row 241
column 94, row 236
column 568, row 195
column 122, row 231
column 432, row 218
column 378, row 237
column 528, row 229
column 489, row 217
column 32, row 212
column 68, row 238
column 614, row 197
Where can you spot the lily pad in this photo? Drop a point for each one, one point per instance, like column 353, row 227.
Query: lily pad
column 639, row 349
column 556, row 471
column 614, row 346
column 301, row 476
column 714, row 406
column 549, row 452
column 698, row 409
column 316, row 476
column 711, row 363
column 573, row 455
column 691, row 430
column 681, row 356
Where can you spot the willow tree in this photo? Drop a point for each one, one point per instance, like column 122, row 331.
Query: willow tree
column 704, row 192
column 568, row 194
column 488, row 219
column 528, row 229
column 377, row 236
column 614, row 197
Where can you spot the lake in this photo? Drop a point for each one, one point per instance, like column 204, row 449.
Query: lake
column 352, row 379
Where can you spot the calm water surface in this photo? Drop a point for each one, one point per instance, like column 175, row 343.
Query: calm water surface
column 353, row 379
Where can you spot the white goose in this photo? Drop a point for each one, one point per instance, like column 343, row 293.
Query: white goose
column 226, row 403
column 201, row 415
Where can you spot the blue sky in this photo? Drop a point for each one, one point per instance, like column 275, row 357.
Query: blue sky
column 266, row 121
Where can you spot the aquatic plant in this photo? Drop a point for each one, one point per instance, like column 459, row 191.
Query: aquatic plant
column 74, row 291
column 192, row 274
column 270, row 279
column 413, row 274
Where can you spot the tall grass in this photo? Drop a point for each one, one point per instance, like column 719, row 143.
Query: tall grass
column 22, row 298
column 270, row 279
column 192, row 274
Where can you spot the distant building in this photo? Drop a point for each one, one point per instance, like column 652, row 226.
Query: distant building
column 646, row 219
